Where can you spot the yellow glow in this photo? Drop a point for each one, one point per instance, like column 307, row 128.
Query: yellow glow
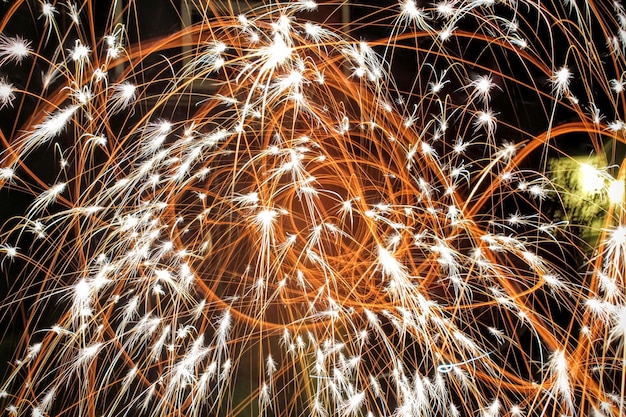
column 616, row 191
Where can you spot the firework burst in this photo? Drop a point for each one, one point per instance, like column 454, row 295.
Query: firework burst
column 268, row 213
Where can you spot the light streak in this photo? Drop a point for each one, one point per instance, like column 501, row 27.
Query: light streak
column 274, row 214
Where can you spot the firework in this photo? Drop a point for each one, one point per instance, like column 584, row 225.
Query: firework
column 275, row 211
